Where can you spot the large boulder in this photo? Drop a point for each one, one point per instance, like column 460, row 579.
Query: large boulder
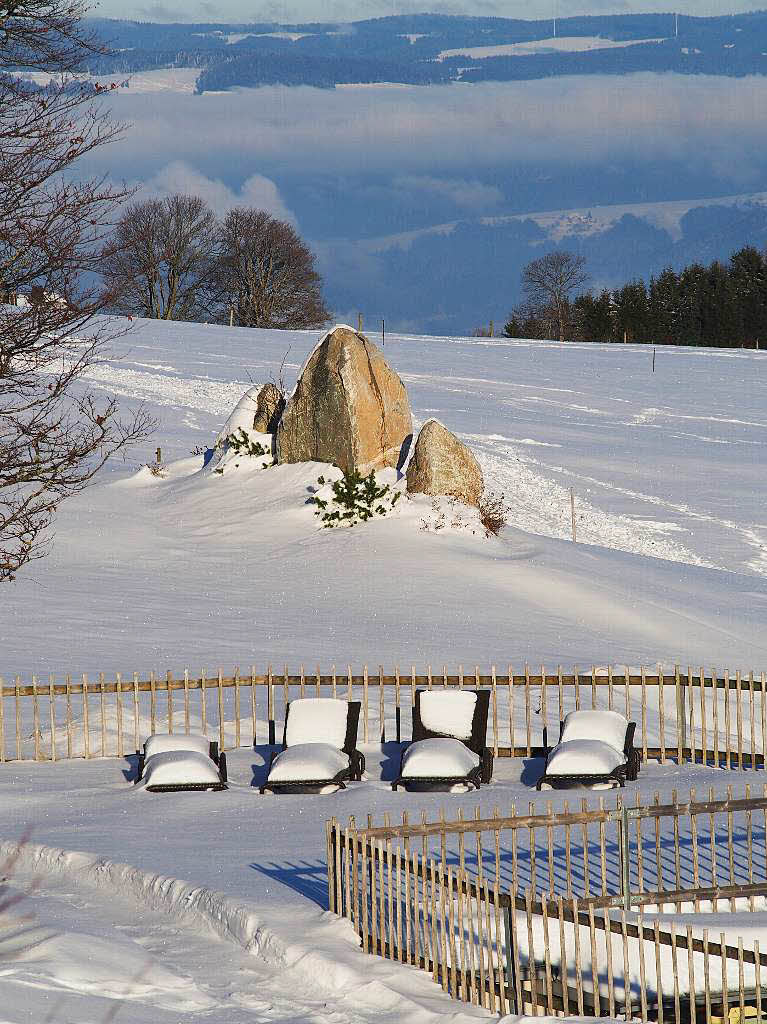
column 269, row 406
column 442, row 464
column 349, row 407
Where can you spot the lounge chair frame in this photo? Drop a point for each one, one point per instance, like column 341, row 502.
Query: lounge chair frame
column 626, row 772
column 351, row 774
column 218, row 758
column 483, row 773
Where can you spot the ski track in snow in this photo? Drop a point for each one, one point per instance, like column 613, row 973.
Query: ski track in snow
column 541, row 505
column 201, row 393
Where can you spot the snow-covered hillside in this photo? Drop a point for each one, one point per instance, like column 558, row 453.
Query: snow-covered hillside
column 197, row 570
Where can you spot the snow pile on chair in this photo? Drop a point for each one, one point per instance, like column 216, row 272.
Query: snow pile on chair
column 180, row 769
column 319, row 746
column 170, row 763
column 448, row 749
column 595, row 748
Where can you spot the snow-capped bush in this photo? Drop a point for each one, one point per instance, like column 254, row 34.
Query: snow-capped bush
column 242, row 444
column 355, row 499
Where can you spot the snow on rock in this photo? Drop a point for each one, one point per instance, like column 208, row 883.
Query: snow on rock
column 241, row 417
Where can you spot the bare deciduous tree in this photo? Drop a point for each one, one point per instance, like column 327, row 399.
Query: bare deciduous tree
column 549, row 282
column 266, row 274
column 54, row 432
column 160, row 261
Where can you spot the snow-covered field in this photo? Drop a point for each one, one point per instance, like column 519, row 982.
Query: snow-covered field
column 210, row 906
column 220, row 915
column 556, row 44
column 202, row 570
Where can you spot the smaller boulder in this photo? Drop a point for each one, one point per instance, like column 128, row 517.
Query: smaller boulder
column 442, row 464
column 269, row 406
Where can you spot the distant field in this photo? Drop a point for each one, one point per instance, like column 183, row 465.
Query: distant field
column 556, row 44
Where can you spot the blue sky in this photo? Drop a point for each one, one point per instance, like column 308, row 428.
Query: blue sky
column 349, row 10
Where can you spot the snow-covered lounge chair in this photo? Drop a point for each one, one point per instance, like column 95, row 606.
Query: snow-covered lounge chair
column 448, row 746
column 319, row 747
column 595, row 748
column 169, row 763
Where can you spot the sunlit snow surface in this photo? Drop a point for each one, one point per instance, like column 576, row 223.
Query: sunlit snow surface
column 211, row 907
column 667, row 468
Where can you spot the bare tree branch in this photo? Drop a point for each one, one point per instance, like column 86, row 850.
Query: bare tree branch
column 160, row 261
column 54, row 433
column 266, row 274
column 549, row 282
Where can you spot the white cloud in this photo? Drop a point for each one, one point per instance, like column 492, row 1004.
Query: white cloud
column 468, row 195
column 256, row 190
column 444, row 132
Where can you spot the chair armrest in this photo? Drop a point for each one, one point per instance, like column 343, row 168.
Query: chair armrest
column 357, row 763
column 628, row 745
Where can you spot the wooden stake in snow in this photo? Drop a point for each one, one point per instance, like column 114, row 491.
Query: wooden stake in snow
column 572, row 512
column 383, row 333
column 653, row 359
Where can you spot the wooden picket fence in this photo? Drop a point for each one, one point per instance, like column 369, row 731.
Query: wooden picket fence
column 462, row 900
column 711, row 717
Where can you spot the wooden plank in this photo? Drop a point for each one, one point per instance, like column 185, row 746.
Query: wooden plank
column 67, row 712
column 36, row 718
column 237, row 710
column 186, row 702
column 169, row 680
column 86, row 725
column 152, row 704
column 119, row 712
column 51, row 718
column 220, row 709
column 2, row 723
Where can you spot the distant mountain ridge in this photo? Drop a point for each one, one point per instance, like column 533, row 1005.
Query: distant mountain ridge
column 411, row 49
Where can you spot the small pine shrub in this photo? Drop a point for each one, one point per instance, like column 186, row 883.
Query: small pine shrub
column 241, row 444
column 356, row 499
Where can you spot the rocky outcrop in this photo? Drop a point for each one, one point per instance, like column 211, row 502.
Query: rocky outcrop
column 269, row 406
column 349, row 407
column 442, row 464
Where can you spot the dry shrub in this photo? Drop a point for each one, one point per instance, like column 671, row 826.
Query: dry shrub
column 493, row 513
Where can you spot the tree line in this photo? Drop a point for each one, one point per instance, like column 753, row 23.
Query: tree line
column 173, row 259
column 722, row 304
